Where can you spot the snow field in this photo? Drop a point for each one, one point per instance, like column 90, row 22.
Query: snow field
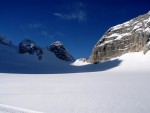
column 123, row 88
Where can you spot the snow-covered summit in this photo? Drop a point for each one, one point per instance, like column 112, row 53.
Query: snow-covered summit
column 131, row 36
column 57, row 43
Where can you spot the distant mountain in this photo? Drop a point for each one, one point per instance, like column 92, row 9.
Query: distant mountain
column 131, row 36
column 28, row 46
column 60, row 51
column 28, row 57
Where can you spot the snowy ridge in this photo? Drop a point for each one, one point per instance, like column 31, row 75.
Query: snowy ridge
column 10, row 109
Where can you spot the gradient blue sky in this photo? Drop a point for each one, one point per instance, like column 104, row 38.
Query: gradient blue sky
column 78, row 24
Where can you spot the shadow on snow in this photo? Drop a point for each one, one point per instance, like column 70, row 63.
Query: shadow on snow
column 58, row 69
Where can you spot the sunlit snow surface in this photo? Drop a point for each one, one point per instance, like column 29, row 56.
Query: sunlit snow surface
column 122, row 89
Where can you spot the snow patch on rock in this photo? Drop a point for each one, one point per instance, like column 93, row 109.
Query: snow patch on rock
column 130, row 36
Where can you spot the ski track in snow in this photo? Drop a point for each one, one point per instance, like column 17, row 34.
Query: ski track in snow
column 10, row 109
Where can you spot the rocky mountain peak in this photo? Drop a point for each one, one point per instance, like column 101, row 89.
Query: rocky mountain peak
column 60, row 51
column 131, row 36
column 29, row 46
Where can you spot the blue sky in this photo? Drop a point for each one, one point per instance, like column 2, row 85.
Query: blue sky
column 78, row 24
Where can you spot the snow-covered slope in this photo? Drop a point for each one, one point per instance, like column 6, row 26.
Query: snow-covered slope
column 13, row 62
column 121, row 89
column 23, row 58
column 50, row 85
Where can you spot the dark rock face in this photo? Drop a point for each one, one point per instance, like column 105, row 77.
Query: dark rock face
column 28, row 46
column 131, row 36
column 59, row 50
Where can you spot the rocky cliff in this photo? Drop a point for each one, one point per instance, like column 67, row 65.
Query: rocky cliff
column 29, row 46
column 131, row 36
column 60, row 51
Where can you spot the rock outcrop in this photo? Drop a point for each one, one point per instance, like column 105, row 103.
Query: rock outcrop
column 60, row 51
column 28, row 46
column 131, row 36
